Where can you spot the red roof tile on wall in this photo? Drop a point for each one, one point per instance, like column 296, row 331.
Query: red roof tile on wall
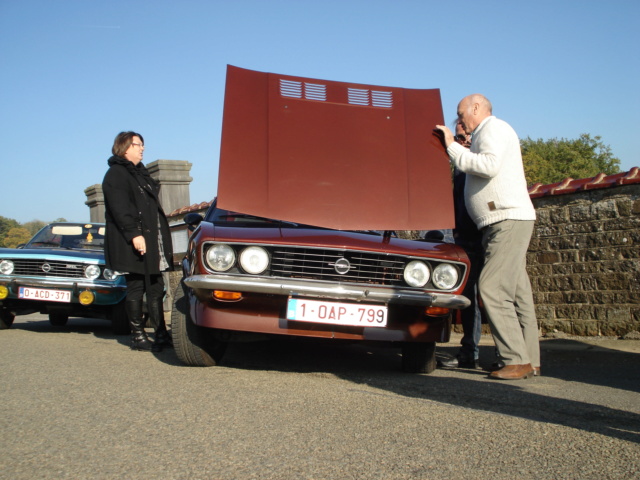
column 569, row 185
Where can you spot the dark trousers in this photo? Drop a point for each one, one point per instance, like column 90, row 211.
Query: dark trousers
column 136, row 288
column 471, row 316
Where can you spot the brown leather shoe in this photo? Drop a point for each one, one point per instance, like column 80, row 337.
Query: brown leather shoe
column 513, row 372
column 536, row 371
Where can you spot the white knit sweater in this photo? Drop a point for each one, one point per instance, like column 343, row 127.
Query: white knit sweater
column 495, row 188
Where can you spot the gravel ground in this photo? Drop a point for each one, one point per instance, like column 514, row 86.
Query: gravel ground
column 76, row 402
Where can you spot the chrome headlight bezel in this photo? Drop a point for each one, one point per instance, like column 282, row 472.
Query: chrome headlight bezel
column 416, row 273
column 92, row 272
column 254, row 260
column 6, row 267
column 445, row 276
column 110, row 275
column 220, row 257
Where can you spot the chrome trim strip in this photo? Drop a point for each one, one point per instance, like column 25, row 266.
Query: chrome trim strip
column 337, row 292
column 61, row 283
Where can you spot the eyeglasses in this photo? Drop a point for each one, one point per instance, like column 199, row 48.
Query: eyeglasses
column 141, row 145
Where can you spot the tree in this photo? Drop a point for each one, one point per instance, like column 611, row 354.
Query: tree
column 16, row 236
column 6, row 224
column 34, row 226
column 550, row 161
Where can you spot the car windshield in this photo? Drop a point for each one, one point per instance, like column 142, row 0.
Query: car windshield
column 220, row 216
column 69, row 236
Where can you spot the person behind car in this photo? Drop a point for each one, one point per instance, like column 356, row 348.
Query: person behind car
column 137, row 240
column 467, row 235
column 497, row 200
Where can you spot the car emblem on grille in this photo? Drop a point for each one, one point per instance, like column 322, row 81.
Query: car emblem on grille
column 46, row 268
column 342, row 266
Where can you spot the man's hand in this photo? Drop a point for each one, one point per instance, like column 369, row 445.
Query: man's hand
column 447, row 135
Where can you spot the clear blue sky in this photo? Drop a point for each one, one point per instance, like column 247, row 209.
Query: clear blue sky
column 73, row 73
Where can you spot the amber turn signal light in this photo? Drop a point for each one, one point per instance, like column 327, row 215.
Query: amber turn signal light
column 4, row 292
column 226, row 296
column 437, row 311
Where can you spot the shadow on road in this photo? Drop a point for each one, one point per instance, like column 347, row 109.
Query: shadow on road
column 379, row 367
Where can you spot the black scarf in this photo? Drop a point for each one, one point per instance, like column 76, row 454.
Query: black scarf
column 139, row 172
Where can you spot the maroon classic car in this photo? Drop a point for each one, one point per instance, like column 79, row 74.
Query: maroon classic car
column 315, row 179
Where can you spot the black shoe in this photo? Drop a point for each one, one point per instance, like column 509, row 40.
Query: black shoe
column 162, row 341
column 444, row 360
column 499, row 365
column 140, row 341
column 466, row 362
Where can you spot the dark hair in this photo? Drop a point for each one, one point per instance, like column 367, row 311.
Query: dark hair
column 123, row 141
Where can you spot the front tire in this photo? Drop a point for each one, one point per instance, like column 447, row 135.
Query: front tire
column 119, row 319
column 419, row 357
column 58, row 319
column 193, row 344
column 6, row 319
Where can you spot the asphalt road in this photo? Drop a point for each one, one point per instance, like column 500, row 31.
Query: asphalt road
column 76, row 402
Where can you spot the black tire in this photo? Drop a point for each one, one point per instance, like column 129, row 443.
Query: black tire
column 6, row 319
column 194, row 345
column 419, row 357
column 119, row 319
column 58, row 319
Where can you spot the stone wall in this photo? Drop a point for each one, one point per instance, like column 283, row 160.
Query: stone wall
column 584, row 261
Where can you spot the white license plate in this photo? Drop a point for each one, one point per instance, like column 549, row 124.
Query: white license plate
column 44, row 294
column 337, row 313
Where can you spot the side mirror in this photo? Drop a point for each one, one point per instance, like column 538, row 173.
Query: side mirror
column 192, row 220
column 434, row 236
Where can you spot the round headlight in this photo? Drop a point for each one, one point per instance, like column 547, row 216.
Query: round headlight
column 109, row 274
column 416, row 273
column 6, row 267
column 254, row 260
column 221, row 257
column 92, row 272
column 445, row 276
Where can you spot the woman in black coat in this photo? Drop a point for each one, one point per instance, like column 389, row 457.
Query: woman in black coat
column 138, row 240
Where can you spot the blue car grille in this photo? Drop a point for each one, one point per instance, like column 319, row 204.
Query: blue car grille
column 320, row 264
column 38, row 268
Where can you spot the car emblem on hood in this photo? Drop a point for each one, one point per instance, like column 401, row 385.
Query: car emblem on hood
column 342, row 266
column 46, row 268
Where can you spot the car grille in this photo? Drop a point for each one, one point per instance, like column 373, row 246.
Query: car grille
column 319, row 264
column 37, row 268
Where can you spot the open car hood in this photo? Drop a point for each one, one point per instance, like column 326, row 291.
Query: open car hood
column 333, row 154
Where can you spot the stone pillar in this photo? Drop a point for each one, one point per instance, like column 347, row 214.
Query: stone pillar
column 95, row 201
column 173, row 177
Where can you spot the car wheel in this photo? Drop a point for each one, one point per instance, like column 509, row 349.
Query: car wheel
column 119, row 319
column 58, row 319
column 194, row 345
column 419, row 357
column 6, row 319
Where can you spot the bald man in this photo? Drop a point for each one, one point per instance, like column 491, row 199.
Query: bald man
column 497, row 200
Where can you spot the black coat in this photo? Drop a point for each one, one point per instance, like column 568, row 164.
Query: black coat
column 466, row 233
column 132, row 208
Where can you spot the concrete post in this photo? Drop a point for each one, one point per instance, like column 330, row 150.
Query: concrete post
column 95, row 201
column 173, row 177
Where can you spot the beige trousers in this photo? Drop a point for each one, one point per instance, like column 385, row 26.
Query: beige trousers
column 505, row 290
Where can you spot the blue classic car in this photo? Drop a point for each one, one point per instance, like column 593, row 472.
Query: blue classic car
column 61, row 272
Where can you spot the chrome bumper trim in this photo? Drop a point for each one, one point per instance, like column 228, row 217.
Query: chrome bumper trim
column 336, row 292
column 62, row 283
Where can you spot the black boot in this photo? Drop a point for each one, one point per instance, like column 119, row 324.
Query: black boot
column 162, row 339
column 139, row 338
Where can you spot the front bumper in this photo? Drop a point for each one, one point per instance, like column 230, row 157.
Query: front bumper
column 305, row 288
